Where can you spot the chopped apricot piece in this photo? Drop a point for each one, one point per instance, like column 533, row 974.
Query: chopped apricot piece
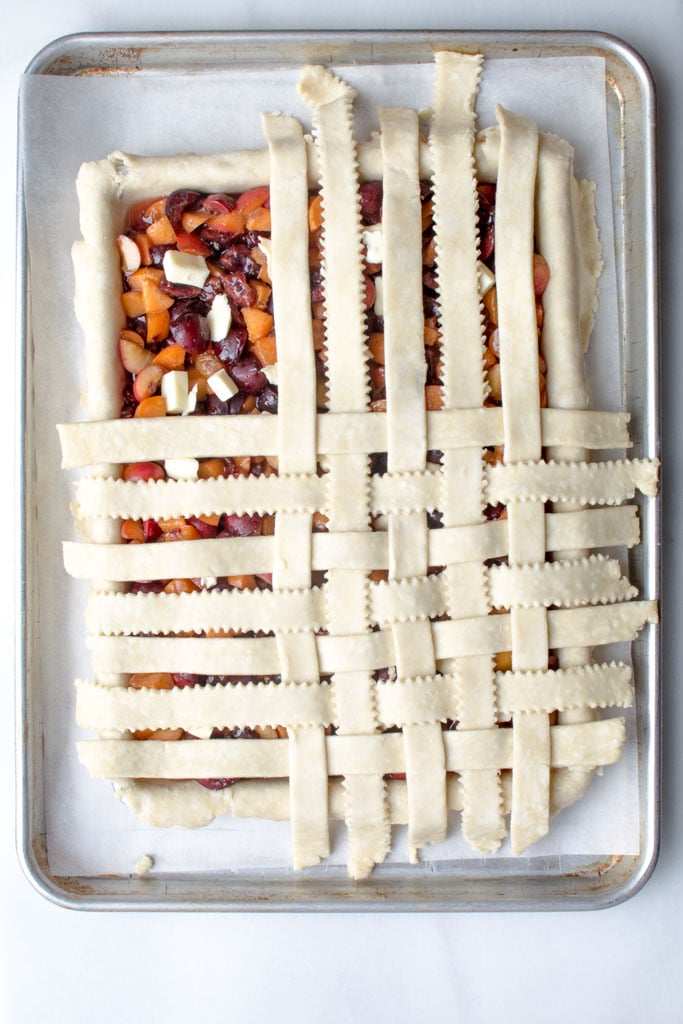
column 191, row 243
column 169, row 525
column 171, row 357
column 249, row 404
column 320, row 522
column 155, row 300
column 137, row 280
column 265, row 350
column 263, row 293
column 133, row 304
column 155, row 405
column 207, row 363
column 162, row 735
column 433, row 397
column 193, row 219
column 243, row 582
column 315, row 213
column 377, row 376
column 142, row 242
column 181, row 587
column 490, row 301
column 158, row 326
column 257, row 321
column 267, row 525
column 161, row 232
column 258, row 219
column 253, row 198
column 151, row 680
column 231, row 222
column 131, row 529
column 212, row 469
column 211, row 520
column 376, row 346
column 431, row 335
column 142, row 213
column 195, row 377
column 243, row 464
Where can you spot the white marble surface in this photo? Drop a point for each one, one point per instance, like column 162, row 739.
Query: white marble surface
column 619, row 965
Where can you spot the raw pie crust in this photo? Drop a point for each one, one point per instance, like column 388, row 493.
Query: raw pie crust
column 326, row 642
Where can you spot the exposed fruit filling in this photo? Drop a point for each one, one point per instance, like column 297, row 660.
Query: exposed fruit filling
column 200, row 340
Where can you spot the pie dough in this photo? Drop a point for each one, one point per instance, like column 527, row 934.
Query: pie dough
column 371, row 750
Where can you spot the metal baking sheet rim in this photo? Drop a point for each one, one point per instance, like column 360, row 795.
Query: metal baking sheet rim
column 528, row 884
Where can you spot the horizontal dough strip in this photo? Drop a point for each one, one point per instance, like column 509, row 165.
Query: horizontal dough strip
column 587, row 483
column 591, row 744
column 287, row 611
column 609, row 527
column 338, row 433
column 166, row 499
column 594, row 580
column 399, row 703
column 127, row 177
column 389, row 492
column 488, row 634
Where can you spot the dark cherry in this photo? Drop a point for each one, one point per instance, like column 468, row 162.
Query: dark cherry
column 147, row 587
column 238, row 258
column 266, row 402
column 179, row 291
column 191, row 332
column 216, row 783
column 186, row 307
column 248, row 375
column 231, row 348
column 218, row 202
column 185, row 679
column 494, row 511
column 178, row 202
column 238, row 290
column 205, row 530
column 233, row 525
column 371, row 201
column 151, row 529
column 156, row 253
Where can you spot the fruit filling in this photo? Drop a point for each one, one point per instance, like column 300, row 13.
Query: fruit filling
column 200, row 340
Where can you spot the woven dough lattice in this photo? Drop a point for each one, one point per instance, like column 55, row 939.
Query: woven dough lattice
column 391, row 691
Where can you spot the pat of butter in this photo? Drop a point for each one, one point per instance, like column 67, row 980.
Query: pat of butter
column 266, row 247
column 191, row 401
column 222, row 385
column 379, row 295
column 184, row 268
column 270, row 373
column 487, row 278
column 373, row 240
column 208, row 582
column 174, row 390
column 219, row 318
column 182, row 469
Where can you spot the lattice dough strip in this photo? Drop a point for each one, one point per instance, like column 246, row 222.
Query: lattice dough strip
column 593, row 625
column 590, row 744
column 339, row 433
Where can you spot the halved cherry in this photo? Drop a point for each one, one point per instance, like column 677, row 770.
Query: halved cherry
column 129, row 253
column 142, row 471
column 147, row 381
column 541, row 272
column 134, row 357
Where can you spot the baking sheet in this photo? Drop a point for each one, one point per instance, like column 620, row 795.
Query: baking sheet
column 67, row 120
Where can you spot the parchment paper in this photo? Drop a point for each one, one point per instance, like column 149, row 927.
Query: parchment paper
column 68, row 120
